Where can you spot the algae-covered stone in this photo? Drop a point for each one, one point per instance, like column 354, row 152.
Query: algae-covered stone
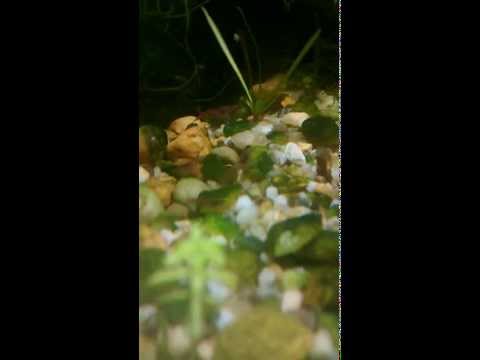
column 322, row 288
column 245, row 264
column 218, row 169
column 226, row 153
column 320, row 131
column 152, row 144
column 217, row 224
column 219, row 200
column 188, row 189
column 291, row 235
column 258, row 164
column 264, row 334
column 150, row 204
column 163, row 186
column 288, row 183
column 323, row 248
column 178, row 210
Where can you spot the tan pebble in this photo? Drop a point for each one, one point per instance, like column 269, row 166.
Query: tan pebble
column 180, row 125
column 304, row 146
column 287, row 101
column 164, row 186
column 151, row 239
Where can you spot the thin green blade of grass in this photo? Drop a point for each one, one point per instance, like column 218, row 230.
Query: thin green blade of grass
column 302, row 54
column 227, row 53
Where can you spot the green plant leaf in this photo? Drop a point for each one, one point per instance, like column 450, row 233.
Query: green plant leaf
column 227, row 53
column 167, row 276
column 302, row 54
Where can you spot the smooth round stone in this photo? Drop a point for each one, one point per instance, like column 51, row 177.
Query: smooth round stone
column 227, row 153
column 295, row 118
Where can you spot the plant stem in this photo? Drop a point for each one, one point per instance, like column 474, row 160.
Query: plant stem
column 196, row 304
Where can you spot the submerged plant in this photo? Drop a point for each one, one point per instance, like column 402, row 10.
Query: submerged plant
column 226, row 51
column 255, row 106
column 196, row 260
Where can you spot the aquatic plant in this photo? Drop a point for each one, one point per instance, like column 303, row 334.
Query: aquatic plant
column 256, row 107
column 228, row 54
column 195, row 260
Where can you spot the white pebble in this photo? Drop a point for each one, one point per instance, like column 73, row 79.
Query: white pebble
column 323, row 345
column 294, row 153
column 146, row 312
column 292, row 300
column 281, row 201
column 244, row 202
column 271, row 217
column 327, row 189
column 312, row 186
column 246, row 138
column 331, row 224
column 295, row 118
column 247, row 215
column 298, row 211
column 169, row 235
column 243, row 139
column 227, row 153
column 156, row 171
column 178, row 340
column 263, row 127
column 279, row 157
column 258, row 231
column 218, row 291
column 205, row 350
column 143, row 175
column 264, row 257
column 304, row 199
column 271, row 192
column 225, row 318
column 266, row 283
column 266, row 277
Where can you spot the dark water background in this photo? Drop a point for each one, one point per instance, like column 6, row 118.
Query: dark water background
column 281, row 29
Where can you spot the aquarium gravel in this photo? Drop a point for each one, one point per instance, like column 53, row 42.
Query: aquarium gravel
column 236, row 226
